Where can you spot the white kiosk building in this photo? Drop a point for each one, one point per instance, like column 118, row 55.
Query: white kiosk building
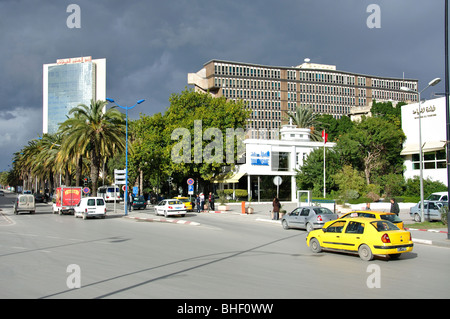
column 433, row 140
column 268, row 158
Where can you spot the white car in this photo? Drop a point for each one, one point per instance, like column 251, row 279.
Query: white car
column 168, row 207
column 91, row 207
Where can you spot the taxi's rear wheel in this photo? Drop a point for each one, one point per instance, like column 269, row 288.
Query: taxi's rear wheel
column 315, row 245
column 365, row 253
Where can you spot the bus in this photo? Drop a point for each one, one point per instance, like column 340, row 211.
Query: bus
column 108, row 193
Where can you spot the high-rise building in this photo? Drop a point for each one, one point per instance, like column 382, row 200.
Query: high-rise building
column 68, row 83
column 270, row 91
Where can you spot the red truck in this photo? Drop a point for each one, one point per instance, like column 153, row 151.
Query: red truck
column 66, row 199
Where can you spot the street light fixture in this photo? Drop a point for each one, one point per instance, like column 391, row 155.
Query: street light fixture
column 126, row 108
column 406, row 89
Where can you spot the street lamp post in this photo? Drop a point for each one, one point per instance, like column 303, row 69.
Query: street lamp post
column 126, row 108
column 406, row 89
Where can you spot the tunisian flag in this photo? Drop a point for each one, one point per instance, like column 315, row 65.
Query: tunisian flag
column 324, row 136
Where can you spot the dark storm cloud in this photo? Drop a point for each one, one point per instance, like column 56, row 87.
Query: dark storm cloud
column 150, row 46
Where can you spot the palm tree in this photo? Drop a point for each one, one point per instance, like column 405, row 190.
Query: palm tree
column 95, row 134
column 304, row 117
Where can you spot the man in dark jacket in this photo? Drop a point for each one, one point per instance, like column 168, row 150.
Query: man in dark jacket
column 394, row 207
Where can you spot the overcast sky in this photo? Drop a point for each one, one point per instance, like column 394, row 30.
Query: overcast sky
column 151, row 46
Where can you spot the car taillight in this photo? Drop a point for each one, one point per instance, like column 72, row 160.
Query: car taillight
column 319, row 218
column 385, row 239
column 170, row 207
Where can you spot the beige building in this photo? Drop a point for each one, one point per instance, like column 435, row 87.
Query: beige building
column 270, row 91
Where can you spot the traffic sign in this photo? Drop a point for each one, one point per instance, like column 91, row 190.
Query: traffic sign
column 191, row 189
column 86, row 190
column 190, row 181
column 277, row 180
column 120, row 176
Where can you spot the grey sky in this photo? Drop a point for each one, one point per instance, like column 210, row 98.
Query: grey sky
column 150, row 46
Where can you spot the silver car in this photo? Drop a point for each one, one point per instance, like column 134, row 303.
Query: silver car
column 308, row 217
column 431, row 210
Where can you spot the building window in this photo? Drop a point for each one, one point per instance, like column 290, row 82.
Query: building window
column 431, row 160
column 280, row 161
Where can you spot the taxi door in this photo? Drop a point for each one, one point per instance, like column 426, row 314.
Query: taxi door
column 352, row 237
column 332, row 236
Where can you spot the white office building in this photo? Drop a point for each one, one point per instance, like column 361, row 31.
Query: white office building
column 433, row 130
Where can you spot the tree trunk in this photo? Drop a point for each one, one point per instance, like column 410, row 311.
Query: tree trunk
column 95, row 168
column 78, row 171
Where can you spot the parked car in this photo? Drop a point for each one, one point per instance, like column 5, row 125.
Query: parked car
column 168, row 207
column 431, row 210
column 2, row 193
column 39, row 198
column 24, row 203
column 138, row 203
column 308, row 217
column 393, row 218
column 186, row 201
column 91, row 207
column 365, row 236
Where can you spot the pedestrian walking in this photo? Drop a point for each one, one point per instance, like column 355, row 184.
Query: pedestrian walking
column 202, row 201
column 197, row 203
column 276, row 208
column 130, row 201
column 211, row 201
column 394, row 207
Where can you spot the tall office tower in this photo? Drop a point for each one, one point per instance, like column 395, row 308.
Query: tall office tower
column 68, row 83
column 271, row 91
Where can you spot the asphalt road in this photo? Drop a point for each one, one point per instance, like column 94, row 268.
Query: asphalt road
column 226, row 256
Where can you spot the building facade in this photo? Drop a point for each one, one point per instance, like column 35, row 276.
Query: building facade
column 68, row 83
column 434, row 138
column 266, row 159
column 270, row 91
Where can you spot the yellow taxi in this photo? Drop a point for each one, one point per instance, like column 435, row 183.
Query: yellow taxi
column 365, row 236
column 393, row 218
column 186, row 201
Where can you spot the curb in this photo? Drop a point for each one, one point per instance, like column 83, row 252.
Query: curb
column 164, row 220
column 429, row 230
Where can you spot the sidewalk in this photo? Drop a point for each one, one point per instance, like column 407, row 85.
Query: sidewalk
column 261, row 213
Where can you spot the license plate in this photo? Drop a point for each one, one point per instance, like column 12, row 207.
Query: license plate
column 401, row 249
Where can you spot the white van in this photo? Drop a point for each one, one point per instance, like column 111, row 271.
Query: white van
column 25, row 203
column 107, row 192
column 439, row 196
column 91, row 207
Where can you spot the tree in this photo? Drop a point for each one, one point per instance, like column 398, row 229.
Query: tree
column 304, row 117
column 373, row 146
column 148, row 149
column 94, row 133
column 310, row 174
column 196, row 126
column 350, row 182
column 334, row 127
column 387, row 111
